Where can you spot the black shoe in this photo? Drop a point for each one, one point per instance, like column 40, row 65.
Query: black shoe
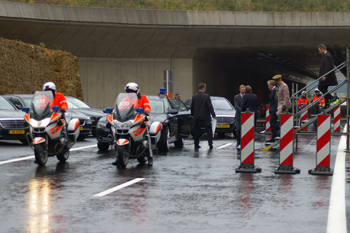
column 271, row 141
column 238, row 144
column 197, row 147
column 115, row 163
column 211, row 147
column 150, row 161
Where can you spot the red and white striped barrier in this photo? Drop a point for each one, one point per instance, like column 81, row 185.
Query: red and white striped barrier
column 286, row 146
column 336, row 123
column 268, row 126
column 304, row 117
column 323, row 146
column 247, row 144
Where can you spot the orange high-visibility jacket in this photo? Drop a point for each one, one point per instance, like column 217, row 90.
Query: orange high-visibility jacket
column 60, row 101
column 303, row 101
column 321, row 100
column 144, row 103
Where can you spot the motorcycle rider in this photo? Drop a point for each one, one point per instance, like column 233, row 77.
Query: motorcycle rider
column 303, row 100
column 143, row 102
column 319, row 103
column 59, row 99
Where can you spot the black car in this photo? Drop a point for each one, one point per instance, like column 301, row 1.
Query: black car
column 80, row 106
column 225, row 114
column 174, row 116
column 12, row 124
column 23, row 101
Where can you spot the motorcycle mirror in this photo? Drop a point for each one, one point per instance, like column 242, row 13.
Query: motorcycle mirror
column 107, row 110
column 25, row 109
column 139, row 109
column 55, row 108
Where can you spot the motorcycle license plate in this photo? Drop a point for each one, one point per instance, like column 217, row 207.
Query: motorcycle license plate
column 12, row 131
column 81, row 128
column 223, row 126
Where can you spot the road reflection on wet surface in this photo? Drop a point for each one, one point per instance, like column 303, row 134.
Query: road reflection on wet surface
column 185, row 191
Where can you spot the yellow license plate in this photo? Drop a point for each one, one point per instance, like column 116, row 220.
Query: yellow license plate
column 16, row 131
column 81, row 128
column 223, row 126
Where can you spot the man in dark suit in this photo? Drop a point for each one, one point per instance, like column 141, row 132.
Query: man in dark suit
column 201, row 109
column 273, row 110
column 330, row 79
column 250, row 101
column 238, row 104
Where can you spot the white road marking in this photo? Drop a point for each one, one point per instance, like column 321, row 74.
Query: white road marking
column 32, row 156
column 116, row 188
column 16, row 160
column 337, row 211
column 223, row 146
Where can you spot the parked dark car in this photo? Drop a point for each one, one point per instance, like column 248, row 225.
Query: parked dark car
column 12, row 124
column 94, row 113
column 173, row 115
column 23, row 101
column 225, row 114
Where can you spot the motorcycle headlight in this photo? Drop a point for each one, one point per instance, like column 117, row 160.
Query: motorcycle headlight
column 123, row 125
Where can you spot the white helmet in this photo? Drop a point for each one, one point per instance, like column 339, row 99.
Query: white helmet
column 303, row 93
column 316, row 90
column 49, row 86
column 132, row 87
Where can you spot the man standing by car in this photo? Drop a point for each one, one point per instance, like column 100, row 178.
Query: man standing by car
column 284, row 102
column 250, row 102
column 238, row 106
column 201, row 109
column 329, row 79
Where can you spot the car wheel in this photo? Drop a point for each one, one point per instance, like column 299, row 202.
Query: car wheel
column 103, row 146
column 163, row 144
column 179, row 143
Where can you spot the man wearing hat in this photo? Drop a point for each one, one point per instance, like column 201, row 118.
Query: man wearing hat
column 284, row 102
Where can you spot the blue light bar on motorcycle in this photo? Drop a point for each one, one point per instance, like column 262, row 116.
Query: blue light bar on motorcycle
column 55, row 108
column 108, row 110
column 139, row 109
column 162, row 91
column 25, row 109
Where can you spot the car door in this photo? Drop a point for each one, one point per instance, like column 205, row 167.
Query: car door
column 184, row 120
column 172, row 118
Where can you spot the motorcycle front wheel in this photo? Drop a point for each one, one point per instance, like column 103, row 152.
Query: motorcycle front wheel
column 123, row 156
column 40, row 154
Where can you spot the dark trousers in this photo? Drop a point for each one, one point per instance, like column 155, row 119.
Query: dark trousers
column 327, row 97
column 238, row 127
column 273, row 123
column 197, row 132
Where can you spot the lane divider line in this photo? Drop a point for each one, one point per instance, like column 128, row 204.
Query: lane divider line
column 337, row 208
column 32, row 156
column 118, row 187
column 16, row 160
column 223, row 146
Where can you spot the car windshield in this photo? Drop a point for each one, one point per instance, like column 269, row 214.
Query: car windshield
column 221, row 104
column 4, row 105
column 78, row 103
column 157, row 106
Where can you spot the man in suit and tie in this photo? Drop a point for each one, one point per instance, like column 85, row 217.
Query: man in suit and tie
column 330, row 79
column 250, row 101
column 273, row 110
column 201, row 109
column 238, row 106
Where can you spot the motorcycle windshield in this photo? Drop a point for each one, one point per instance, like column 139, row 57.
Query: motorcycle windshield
column 41, row 104
column 125, row 106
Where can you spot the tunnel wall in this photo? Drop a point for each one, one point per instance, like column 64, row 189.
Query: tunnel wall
column 104, row 78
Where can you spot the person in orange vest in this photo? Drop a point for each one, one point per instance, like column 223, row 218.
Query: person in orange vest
column 303, row 100
column 319, row 103
column 142, row 99
column 59, row 99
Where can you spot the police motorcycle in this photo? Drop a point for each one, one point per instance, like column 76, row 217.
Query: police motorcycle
column 49, row 134
column 134, row 135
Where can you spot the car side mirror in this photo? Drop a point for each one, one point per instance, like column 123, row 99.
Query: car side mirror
column 107, row 110
column 26, row 110
column 188, row 107
column 173, row 111
column 19, row 106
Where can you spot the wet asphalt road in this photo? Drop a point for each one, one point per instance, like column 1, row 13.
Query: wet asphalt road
column 185, row 191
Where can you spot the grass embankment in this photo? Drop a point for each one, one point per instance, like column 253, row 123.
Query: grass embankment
column 210, row 5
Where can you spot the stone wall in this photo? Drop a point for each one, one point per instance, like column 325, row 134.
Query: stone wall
column 24, row 68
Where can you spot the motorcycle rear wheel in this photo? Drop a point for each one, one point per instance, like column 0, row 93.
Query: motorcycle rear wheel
column 123, row 156
column 62, row 157
column 40, row 154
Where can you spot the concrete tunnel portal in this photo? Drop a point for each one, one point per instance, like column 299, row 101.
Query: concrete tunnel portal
column 222, row 49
